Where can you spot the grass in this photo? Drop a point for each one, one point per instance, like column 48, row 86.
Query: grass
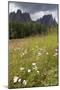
column 39, row 50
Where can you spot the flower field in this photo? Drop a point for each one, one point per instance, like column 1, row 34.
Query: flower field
column 33, row 61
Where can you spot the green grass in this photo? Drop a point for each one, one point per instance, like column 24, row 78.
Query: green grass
column 46, row 64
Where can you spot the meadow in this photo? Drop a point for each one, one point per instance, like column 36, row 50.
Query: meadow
column 33, row 61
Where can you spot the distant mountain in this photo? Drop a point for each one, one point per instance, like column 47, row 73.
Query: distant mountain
column 25, row 17
column 19, row 16
column 47, row 20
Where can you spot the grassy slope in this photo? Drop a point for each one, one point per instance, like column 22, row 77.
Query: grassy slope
column 46, row 64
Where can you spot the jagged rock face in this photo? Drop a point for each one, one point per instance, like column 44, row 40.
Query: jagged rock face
column 12, row 16
column 25, row 17
column 19, row 16
column 47, row 20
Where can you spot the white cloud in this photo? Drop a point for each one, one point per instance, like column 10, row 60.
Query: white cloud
column 40, row 14
column 12, row 7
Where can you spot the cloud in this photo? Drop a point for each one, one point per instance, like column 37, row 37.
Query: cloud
column 33, row 7
column 36, row 10
column 40, row 14
column 36, row 7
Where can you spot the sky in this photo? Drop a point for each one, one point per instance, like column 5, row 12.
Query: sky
column 36, row 10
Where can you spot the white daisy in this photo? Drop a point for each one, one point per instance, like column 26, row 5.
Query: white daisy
column 29, row 70
column 24, row 82
column 38, row 72
column 15, row 79
column 33, row 64
column 19, row 80
column 22, row 68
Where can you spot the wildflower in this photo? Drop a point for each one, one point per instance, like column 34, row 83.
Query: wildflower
column 38, row 72
column 39, row 54
column 29, row 70
column 56, row 50
column 33, row 64
column 23, row 54
column 55, row 54
column 47, row 53
column 24, row 82
column 22, row 68
column 19, row 80
column 35, row 67
column 15, row 79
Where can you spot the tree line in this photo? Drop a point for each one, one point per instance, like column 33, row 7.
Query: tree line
column 21, row 30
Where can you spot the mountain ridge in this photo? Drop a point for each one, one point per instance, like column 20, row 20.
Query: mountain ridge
column 25, row 17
